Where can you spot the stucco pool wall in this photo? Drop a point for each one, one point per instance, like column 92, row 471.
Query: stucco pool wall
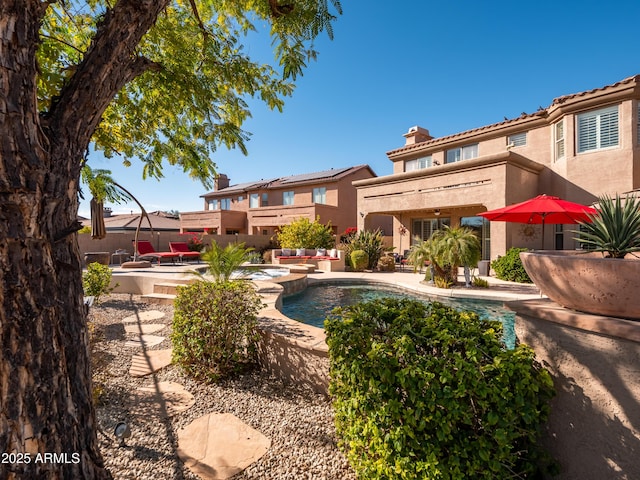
column 594, row 425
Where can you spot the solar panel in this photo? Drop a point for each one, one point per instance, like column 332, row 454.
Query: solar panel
column 314, row 176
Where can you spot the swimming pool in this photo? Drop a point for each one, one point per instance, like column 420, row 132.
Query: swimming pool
column 312, row 305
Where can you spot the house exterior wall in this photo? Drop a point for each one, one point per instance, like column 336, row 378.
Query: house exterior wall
column 503, row 174
column 339, row 208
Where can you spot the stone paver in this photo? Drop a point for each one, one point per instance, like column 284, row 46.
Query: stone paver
column 143, row 316
column 144, row 341
column 219, row 445
column 164, row 398
column 149, row 362
column 142, row 328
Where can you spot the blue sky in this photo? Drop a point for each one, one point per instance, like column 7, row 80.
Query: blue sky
column 446, row 66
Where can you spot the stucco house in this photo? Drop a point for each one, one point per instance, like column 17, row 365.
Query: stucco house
column 580, row 147
column 261, row 207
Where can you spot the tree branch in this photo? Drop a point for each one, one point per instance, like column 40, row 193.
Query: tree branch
column 109, row 64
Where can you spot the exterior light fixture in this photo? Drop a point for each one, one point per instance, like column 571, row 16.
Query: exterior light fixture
column 122, row 432
column 361, row 215
column 436, row 212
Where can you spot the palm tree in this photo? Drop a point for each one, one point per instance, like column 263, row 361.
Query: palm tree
column 223, row 262
column 455, row 247
column 422, row 252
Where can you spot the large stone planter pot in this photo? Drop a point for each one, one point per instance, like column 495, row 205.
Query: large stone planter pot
column 587, row 282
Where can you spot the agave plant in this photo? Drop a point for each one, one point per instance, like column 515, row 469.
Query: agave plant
column 223, row 262
column 615, row 229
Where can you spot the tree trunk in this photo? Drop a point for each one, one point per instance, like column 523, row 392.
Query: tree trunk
column 45, row 379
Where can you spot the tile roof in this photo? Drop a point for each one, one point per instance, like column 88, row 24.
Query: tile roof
column 523, row 118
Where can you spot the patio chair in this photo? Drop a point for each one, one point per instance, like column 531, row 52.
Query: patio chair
column 182, row 249
column 146, row 250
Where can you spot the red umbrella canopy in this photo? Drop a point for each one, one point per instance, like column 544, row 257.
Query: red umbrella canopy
column 542, row 209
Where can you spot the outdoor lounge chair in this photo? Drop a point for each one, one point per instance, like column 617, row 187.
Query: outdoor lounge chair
column 146, row 250
column 182, row 249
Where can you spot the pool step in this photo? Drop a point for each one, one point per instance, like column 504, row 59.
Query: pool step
column 166, row 288
column 159, row 298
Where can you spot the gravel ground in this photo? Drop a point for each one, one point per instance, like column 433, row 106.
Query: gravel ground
column 298, row 421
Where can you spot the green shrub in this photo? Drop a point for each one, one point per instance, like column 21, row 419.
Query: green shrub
column 510, row 266
column 371, row 242
column 96, row 281
column 225, row 262
column 427, row 392
column 480, row 282
column 302, row 233
column 359, row 260
column 215, row 328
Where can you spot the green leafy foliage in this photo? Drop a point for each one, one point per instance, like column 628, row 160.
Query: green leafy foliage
column 359, row 260
column 615, row 229
column 96, row 281
column 223, row 262
column 302, row 233
column 192, row 96
column 428, row 392
column 510, row 268
column 445, row 251
column 371, row 242
column 215, row 331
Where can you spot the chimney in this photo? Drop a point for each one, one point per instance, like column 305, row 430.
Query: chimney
column 416, row 135
column 106, row 212
column 221, row 181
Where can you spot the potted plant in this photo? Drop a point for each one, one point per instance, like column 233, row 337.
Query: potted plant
column 603, row 279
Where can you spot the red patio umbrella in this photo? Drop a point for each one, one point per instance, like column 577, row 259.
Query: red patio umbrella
column 540, row 210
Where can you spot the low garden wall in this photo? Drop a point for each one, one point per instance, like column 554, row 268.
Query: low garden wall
column 594, row 426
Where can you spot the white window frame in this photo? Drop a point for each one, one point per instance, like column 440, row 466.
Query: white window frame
column 466, row 152
column 598, row 129
column 254, row 200
column 288, row 197
column 517, row 139
column 559, row 150
column 320, row 195
column 214, row 204
column 225, row 204
column 418, row 163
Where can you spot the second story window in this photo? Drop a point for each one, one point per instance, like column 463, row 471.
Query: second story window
column 597, row 129
column 417, row 163
column 558, row 139
column 214, row 204
column 254, row 200
column 517, row 139
column 265, row 199
column 462, row 153
column 320, row 195
column 287, row 198
column 225, row 204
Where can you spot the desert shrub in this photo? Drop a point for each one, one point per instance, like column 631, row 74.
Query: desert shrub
column 302, row 233
column 387, row 264
column 480, row 282
column 359, row 260
column 423, row 391
column 370, row 242
column 96, row 281
column 215, row 332
column 510, row 266
column 443, row 282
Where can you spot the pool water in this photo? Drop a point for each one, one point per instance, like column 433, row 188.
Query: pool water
column 313, row 305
